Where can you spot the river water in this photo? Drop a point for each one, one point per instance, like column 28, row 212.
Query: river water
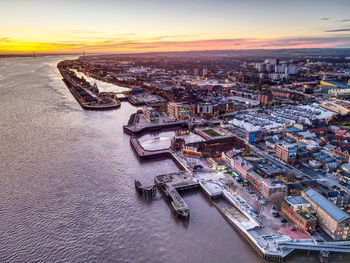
column 67, row 184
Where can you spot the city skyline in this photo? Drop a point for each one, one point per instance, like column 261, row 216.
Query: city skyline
column 138, row 26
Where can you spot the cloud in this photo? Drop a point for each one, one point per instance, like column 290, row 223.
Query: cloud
column 342, row 21
column 230, row 43
column 324, row 18
column 338, row 30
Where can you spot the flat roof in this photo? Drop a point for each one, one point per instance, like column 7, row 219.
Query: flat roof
column 296, row 200
column 335, row 83
column 326, row 205
column 293, row 129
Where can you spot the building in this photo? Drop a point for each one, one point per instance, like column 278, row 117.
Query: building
column 211, row 148
column 150, row 114
column 270, row 187
column 280, row 68
column 265, row 98
column 265, row 186
column 286, row 152
column 205, row 72
column 291, row 70
column 177, row 143
column 203, row 109
column 241, row 166
column 277, row 92
column 331, row 218
column 296, row 208
column 179, row 111
column 333, row 84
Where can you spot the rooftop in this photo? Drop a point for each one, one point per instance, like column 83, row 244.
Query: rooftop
column 326, row 205
column 306, row 215
column 296, row 200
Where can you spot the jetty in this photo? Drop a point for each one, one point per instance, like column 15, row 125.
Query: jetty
column 171, row 184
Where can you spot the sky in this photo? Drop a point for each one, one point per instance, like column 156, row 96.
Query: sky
column 130, row 26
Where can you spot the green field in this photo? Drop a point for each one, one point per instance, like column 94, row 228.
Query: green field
column 211, row 132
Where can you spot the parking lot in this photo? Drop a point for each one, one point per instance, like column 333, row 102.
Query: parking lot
column 265, row 214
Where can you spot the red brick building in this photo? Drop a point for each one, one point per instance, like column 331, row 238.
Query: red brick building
column 296, row 209
column 286, row 153
column 265, row 98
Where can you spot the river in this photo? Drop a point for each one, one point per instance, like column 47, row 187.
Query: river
column 67, row 184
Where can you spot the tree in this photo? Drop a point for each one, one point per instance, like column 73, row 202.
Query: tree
column 230, row 182
column 289, row 175
column 258, row 207
column 277, row 198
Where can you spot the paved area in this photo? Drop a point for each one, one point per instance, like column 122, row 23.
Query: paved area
column 265, row 213
column 294, row 234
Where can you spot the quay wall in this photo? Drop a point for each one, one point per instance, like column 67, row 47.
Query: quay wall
column 147, row 154
column 238, row 227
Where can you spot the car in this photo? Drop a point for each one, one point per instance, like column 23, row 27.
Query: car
column 292, row 228
column 275, row 214
column 283, row 220
column 263, row 201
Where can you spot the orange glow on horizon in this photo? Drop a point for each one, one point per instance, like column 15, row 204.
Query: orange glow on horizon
column 122, row 46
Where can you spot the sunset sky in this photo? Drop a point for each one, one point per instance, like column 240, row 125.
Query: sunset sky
column 107, row 26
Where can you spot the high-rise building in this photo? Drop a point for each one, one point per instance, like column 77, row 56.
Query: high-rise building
column 205, row 72
column 291, row 70
column 280, row 68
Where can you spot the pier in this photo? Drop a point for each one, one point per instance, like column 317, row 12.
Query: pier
column 170, row 184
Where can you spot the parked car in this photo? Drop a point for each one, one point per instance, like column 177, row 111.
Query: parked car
column 263, row 201
column 275, row 214
column 283, row 220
